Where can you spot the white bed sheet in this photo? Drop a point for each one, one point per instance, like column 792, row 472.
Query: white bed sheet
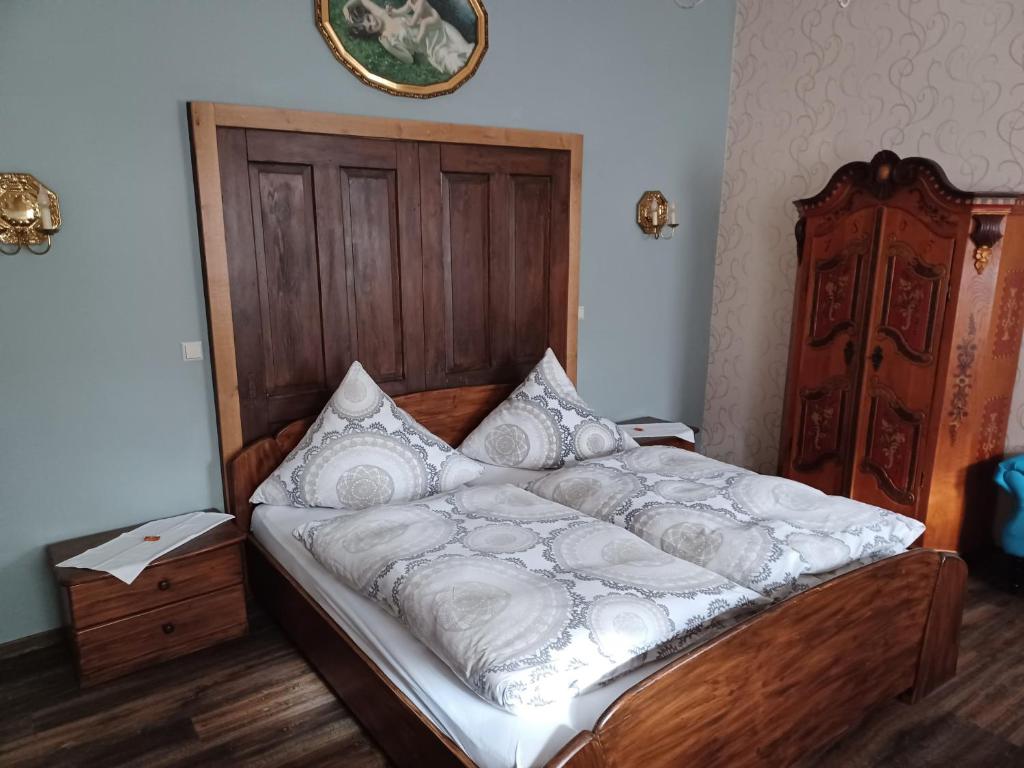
column 492, row 737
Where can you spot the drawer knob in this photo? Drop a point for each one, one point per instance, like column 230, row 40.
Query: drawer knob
column 168, row 628
column 164, row 585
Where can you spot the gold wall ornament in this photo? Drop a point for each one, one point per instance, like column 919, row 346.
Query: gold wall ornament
column 654, row 213
column 29, row 214
column 987, row 230
column 981, row 256
column 414, row 38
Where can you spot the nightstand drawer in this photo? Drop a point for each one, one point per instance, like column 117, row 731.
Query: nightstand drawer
column 107, row 599
column 112, row 649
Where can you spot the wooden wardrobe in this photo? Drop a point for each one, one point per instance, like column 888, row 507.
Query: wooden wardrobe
column 907, row 324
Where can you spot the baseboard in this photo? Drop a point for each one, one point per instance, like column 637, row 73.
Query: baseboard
column 35, row 642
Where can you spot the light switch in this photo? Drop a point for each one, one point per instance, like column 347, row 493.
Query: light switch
column 579, row 312
column 191, row 350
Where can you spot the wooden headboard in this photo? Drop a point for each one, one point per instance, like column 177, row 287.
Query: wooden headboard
column 443, row 257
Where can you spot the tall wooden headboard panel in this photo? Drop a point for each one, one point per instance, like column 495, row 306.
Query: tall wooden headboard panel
column 440, row 256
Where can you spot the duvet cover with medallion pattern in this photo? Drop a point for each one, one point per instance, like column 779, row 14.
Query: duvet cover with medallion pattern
column 527, row 601
column 767, row 533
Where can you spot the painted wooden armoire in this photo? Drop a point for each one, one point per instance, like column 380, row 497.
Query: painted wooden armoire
column 907, row 323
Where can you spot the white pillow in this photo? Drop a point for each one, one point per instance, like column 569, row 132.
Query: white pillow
column 364, row 450
column 544, row 424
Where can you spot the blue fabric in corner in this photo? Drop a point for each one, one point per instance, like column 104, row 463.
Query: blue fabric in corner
column 1010, row 477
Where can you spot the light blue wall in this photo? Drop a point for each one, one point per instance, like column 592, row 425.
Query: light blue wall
column 102, row 424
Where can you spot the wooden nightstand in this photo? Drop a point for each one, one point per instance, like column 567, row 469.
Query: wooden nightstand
column 674, row 442
column 188, row 599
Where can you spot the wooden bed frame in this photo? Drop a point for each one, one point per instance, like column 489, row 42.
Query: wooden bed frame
column 777, row 687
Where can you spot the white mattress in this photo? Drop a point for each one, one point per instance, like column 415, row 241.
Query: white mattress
column 490, row 736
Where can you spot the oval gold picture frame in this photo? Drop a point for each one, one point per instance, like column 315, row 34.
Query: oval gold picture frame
column 338, row 47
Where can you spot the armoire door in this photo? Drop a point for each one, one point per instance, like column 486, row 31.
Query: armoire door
column 825, row 370
column 325, row 267
column 495, row 244
column 908, row 301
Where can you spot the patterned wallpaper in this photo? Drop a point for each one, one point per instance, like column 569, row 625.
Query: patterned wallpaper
column 815, row 86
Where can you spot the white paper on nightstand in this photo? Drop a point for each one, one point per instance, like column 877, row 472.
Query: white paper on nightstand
column 660, row 429
column 126, row 556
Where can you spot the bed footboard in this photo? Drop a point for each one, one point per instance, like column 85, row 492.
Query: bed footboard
column 790, row 680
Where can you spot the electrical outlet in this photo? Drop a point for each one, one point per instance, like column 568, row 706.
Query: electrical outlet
column 191, row 350
column 579, row 312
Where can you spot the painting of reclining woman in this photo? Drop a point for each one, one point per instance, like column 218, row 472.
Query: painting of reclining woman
column 407, row 47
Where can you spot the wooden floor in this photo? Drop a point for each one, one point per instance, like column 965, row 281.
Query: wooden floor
column 255, row 702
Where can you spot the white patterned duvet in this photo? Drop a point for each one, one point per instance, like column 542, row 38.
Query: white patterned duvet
column 763, row 532
column 527, row 601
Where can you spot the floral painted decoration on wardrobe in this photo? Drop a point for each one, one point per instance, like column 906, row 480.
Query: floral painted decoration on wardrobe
column 364, row 450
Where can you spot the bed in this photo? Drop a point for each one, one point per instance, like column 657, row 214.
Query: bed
column 770, row 690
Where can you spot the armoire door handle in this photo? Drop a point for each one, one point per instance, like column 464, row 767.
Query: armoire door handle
column 848, row 351
column 876, row 358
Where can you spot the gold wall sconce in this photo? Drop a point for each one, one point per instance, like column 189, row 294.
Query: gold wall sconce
column 654, row 212
column 29, row 214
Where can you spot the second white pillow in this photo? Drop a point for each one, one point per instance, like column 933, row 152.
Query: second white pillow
column 543, row 424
